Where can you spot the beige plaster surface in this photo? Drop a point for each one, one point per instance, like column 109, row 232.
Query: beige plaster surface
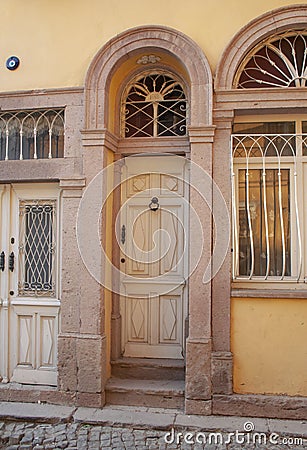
column 269, row 345
column 50, row 53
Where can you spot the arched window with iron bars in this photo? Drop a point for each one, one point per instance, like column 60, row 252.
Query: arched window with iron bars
column 277, row 61
column 269, row 166
column 154, row 104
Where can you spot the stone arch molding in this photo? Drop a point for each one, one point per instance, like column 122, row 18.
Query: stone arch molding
column 120, row 48
column 258, row 29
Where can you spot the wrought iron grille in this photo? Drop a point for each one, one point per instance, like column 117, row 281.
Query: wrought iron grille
column 278, row 61
column 37, row 247
column 267, row 242
column 33, row 134
column 154, row 105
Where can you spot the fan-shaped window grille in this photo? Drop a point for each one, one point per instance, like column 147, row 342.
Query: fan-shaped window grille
column 279, row 61
column 154, row 105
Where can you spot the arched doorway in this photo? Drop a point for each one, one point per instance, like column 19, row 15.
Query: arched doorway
column 130, row 57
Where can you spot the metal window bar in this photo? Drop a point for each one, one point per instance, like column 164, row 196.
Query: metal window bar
column 37, row 248
column 153, row 105
column 251, row 154
column 278, row 61
column 34, row 134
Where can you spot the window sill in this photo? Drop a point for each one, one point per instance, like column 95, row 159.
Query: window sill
column 298, row 291
column 178, row 145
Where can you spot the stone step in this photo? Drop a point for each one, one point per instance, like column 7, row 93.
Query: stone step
column 149, row 393
column 148, row 369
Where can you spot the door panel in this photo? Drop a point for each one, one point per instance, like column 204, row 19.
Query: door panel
column 139, row 247
column 172, row 239
column 33, row 350
column 4, row 280
column 154, row 257
column 30, row 298
column 138, row 313
column 169, row 319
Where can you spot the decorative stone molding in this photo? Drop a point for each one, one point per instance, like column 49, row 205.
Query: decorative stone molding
column 298, row 292
column 128, row 43
column 72, row 187
column 50, row 97
column 99, row 138
column 223, row 119
column 32, row 170
column 148, row 59
column 257, row 99
column 201, row 135
column 269, row 23
column 177, row 145
column 72, row 183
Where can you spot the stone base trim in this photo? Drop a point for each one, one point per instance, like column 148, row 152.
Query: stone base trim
column 90, row 399
column 271, row 406
column 222, row 373
column 198, row 407
column 116, row 326
column 81, row 363
column 14, row 392
column 198, row 370
column 267, row 406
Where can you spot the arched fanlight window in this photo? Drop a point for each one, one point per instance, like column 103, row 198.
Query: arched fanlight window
column 278, row 61
column 154, row 104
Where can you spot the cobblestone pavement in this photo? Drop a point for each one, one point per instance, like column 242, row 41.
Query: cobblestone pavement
column 37, row 436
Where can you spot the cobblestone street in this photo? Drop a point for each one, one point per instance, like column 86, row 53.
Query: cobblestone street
column 30, row 436
column 34, row 426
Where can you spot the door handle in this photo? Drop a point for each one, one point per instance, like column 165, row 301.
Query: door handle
column 123, row 236
column 11, row 261
column 154, row 204
column 2, row 261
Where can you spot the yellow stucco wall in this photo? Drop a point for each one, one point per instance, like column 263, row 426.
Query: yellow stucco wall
column 269, row 345
column 56, row 40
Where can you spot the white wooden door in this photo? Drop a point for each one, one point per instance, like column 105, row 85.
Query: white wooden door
column 29, row 305
column 153, row 256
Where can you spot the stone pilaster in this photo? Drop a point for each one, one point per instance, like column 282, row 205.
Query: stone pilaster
column 116, row 321
column 83, row 355
column 221, row 283
column 199, row 344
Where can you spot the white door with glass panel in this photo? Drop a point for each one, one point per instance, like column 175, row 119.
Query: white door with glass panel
column 153, row 240
column 29, row 305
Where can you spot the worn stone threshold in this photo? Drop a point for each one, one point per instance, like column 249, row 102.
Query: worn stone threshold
column 146, row 393
column 148, row 369
column 163, row 387
column 150, row 362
